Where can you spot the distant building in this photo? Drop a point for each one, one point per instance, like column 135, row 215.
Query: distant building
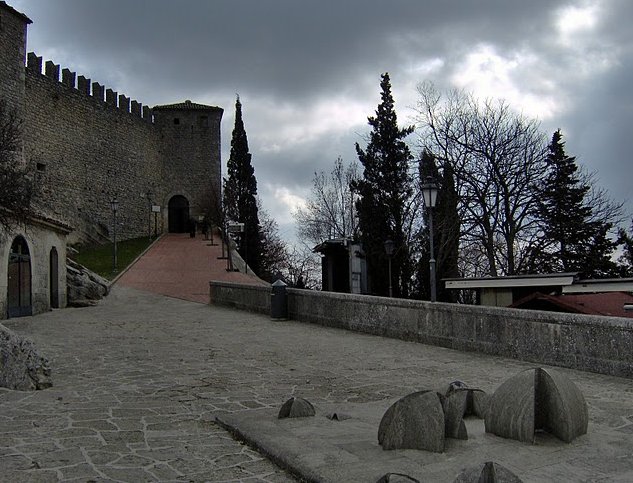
column 343, row 266
column 557, row 292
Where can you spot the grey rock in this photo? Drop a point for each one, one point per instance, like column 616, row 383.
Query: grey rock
column 21, row 366
column 415, row 421
column 397, row 478
column 296, row 407
column 537, row 399
column 489, row 472
column 84, row 286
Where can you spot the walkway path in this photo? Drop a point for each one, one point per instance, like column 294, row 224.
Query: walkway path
column 180, row 266
column 139, row 378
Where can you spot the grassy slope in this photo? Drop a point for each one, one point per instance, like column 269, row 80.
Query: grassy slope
column 98, row 258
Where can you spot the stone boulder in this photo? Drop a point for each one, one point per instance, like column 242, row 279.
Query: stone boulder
column 415, row 421
column 537, row 399
column 84, row 286
column 21, row 365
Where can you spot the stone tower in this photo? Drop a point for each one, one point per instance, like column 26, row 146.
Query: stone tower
column 13, row 25
column 190, row 153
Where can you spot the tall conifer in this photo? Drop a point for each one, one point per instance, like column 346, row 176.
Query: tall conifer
column 240, row 193
column 383, row 193
column 573, row 239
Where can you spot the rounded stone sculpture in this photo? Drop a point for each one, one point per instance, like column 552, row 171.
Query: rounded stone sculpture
column 461, row 401
column 415, row 421
column 489, row 472
column 296, row 407
column 397, row 478
column 537, row 399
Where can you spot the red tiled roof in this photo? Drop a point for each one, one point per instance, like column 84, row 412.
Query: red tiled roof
column 606, row 303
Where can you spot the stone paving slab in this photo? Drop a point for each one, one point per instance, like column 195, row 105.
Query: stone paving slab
column 140, row 379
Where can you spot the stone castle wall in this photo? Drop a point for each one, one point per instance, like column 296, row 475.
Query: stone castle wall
column 85, row 152
column 86, row 145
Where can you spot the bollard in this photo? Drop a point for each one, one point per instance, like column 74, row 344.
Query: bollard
column 279, row 301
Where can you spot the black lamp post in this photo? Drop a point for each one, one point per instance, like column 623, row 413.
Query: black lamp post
column 149, row 195
column 429, row 192
column 389, row 248
column 114, row 204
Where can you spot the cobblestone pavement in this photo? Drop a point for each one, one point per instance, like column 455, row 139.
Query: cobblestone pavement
column 139, row 378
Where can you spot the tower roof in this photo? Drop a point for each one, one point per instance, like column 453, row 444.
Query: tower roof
column 15, row 12
column 188, row 105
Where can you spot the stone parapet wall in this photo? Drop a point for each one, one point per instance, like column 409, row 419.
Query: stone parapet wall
column 589, row 343
column 253, row 298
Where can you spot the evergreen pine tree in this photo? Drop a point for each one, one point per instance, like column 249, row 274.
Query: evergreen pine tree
column 240, row 193
column 383, row 193
column 573, row 241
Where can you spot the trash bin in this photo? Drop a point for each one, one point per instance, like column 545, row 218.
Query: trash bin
column 279, row 301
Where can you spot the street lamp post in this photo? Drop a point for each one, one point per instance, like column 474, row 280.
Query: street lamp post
column 149, row 195
column 114, row 204
column 389, row 248
column 429, row 192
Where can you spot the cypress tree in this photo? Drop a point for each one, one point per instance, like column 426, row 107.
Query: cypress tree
column 383, row 193
column 240, row 193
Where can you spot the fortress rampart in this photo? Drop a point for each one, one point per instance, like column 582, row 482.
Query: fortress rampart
column 87, row 144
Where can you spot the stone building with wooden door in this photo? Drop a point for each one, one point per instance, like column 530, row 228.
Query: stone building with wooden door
column 33, row 268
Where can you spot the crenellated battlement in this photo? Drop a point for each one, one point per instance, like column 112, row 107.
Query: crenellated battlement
column 86, row 87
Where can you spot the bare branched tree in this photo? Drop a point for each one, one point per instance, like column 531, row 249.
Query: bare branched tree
column 304, row 268
column 16, row 187
column 497, row 157
column 274, row 256
column 329, row 211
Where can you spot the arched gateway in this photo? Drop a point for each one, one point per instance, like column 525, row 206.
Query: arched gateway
column 178, row 214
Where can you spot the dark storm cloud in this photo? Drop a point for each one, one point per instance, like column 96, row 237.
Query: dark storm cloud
column 288, row 49
column 308, row 71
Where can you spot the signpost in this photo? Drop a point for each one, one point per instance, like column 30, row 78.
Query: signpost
column 156, row 211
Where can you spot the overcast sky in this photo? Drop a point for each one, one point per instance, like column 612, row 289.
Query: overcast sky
column 308, row 72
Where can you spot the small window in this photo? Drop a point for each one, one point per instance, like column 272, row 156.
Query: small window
column 41, row 167
column 176, row 120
